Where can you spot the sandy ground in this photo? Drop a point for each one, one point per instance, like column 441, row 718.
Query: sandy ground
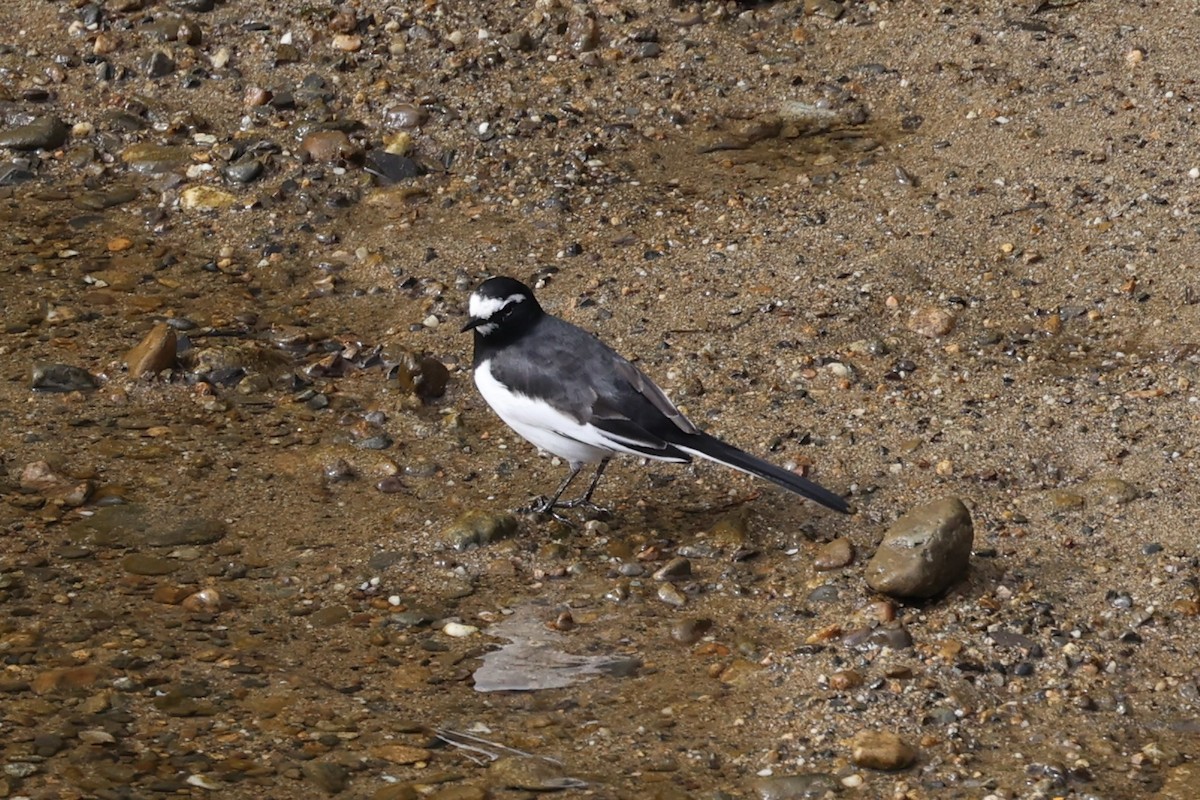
column 917, row 249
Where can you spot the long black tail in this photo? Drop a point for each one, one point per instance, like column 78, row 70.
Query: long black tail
column 714, row 449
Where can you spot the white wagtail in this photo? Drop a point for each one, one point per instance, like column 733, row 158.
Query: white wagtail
column 570, row 394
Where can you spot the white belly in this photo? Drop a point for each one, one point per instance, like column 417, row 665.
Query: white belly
column 540, row 424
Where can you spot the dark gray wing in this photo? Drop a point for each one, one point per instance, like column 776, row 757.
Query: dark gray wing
column 587, row 380
column 642, row 385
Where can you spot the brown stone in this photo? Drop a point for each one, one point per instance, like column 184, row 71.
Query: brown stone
column 932, row 322
column 170, row 595
column 53, row 680
column 328, row 146
column 881, row 750
column 154, row 353
column 845, row 679
column 834, row 555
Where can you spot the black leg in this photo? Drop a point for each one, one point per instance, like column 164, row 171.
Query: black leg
column 546, row 505
column 586, row 500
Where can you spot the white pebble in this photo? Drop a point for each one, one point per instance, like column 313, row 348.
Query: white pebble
column 1194, row 172
column 839, row 370
column 458, row 630
column 203, row 781
column 431, row 321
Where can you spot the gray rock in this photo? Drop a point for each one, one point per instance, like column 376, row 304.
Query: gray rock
column 518, row 40
column 61, row 378
column 15, row 172
column 677, row 567
column 117, row 525
column 154, row 159
column 331, row 778
column 159, row 64
column 925, row 552
column 44, row 133
column 532, row 773
column 896, row 638
column 142, row 564
column 195, row 530
column 172, row 28
column 475, row 528
column 244, row 170
column 391, row 168
column 330, row 616
column 105, row 198
column 670, row 595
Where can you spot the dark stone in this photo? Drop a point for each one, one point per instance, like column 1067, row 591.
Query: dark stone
column 390, row 168
column 159, row 64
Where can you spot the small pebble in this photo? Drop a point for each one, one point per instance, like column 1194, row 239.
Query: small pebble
column 205, row 198
column 882, row 751
column 932, row 322
column 690, row 631
column 677, row 567
column 332, row 145
column 671, row 595
column 834, row 555
column 458, row 630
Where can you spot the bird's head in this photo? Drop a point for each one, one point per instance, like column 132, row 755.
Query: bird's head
column 501, row 305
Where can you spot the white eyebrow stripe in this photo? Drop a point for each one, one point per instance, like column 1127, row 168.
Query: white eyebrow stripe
column 484, row 307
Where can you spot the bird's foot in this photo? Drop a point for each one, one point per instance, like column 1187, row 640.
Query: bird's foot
column 543, row 507
column 592, row 510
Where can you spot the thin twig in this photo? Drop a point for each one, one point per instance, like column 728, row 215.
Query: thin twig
column 449, row 737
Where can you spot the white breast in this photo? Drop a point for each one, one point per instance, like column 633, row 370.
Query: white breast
column 542, row 425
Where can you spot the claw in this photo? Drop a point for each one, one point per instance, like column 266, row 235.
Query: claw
column 593, row 510
column 538, row 505
column 543, row 507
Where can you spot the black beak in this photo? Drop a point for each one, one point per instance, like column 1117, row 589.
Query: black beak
column 472, row 324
